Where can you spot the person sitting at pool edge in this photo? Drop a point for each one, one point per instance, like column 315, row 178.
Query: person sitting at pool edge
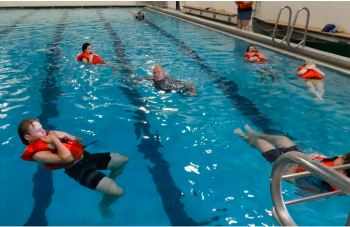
column 89, row 57
column 259, row 62
column 139, row 15
column 271, row 147
column 58, row 150
column 313, row 78
column 167, row 83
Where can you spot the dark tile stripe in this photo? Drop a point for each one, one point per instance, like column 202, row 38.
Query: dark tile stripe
column 230, row 88
column 14, row 24
column 43, row 185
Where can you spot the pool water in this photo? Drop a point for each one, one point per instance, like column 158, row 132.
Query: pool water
column 186, row 165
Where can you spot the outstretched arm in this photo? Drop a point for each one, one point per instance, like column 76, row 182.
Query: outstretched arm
column 149, row 78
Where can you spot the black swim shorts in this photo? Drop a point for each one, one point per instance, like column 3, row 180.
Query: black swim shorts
column 85, row 171
column 273, row 154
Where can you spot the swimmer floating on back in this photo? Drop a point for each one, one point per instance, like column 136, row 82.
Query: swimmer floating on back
column 89, row 57
column 60, row 150
column 139, row 15
column 313, row 78
column 272, row 147
column 259, row 62
column 167, row 83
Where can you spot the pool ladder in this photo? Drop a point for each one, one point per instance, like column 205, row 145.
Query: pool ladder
column 290, row 30
column 330, row 175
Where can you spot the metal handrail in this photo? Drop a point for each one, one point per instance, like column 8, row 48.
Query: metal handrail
column 306, row 26
column 278, row 18
column 329, row 175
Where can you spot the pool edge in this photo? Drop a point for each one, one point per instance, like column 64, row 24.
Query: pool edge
column 323, row 58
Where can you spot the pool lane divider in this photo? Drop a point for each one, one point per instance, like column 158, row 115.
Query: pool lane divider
column 246, row 106
column 42, row 179
column 168, row 191
column 15, row 24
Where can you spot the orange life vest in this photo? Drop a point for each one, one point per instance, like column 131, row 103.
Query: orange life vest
column 241, row 5
column 255, row 53
column 310, row 74
column 95, row 60
column 326, row 163
column 75, row 148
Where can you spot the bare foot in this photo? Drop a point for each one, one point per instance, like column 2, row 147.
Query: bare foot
column 115, row 69
column 319, row 99
column 249, row 130
column 239, row 132
column 106, row 212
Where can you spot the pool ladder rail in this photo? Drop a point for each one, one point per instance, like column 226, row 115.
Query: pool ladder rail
column 290, row 29
column 330, row 175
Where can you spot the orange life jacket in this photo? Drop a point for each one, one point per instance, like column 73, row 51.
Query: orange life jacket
column 240, row 5
column 75, row 148
column 95, row 60
column 310, row 74
column 255, row 53
column 326, row 163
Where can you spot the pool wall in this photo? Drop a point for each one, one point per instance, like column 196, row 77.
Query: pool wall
column 58, row 4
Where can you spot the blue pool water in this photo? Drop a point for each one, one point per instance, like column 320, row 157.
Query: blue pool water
column 199, row 165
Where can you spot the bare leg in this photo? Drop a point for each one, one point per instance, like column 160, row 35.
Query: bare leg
column 312, row 89
column 260, row 144
column 115, row 67
column 111, row 194
column 263, row 145
column 262, row 76
column 278, row 141
column 239, row 24
column 319, row 86
column 117, row 162
column 245, row 25
column 108, row 186
column 273, row 73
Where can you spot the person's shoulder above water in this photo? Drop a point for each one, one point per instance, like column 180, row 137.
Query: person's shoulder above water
column 254, row 56
column 88, row 56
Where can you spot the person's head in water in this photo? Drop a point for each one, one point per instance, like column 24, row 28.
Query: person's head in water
column 87, row 48
column 251, row 48
column 158, row 73
column 30, row 131
column 343, row 160
column 309, row 62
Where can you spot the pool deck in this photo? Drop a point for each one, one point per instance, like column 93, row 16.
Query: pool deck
column 323, row 58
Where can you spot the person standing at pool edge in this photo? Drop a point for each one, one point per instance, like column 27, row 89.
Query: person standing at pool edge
column 313, row 78
column 167, row 83
column 244, row 14
column 58, row 150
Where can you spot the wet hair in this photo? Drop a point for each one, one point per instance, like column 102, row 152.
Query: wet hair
column 250, row 46
column 23, row 129
column 85, row 45
column 346, row 160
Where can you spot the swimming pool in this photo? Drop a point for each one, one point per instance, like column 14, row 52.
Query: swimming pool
column 199, row 165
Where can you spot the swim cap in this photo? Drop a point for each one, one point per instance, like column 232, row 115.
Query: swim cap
column 310, row 62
